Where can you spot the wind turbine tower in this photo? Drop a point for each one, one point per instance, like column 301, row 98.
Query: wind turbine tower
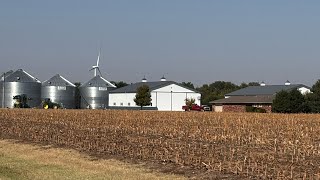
column 96, row 67
column 95, row 92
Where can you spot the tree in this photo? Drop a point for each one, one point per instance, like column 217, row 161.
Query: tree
column 281, row 102
column 189, row 102
column 244, row 85
column 297, row 102
column 313, row 99
column 143, row 96
column 119, row 84
column 253, row 84
column 216, row 90
column 290, row 102
column 316, row 88
column 188, row 84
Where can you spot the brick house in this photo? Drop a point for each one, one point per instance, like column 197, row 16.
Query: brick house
column 256, row 96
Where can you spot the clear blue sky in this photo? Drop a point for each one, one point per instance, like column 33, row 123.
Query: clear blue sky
column 201, row 41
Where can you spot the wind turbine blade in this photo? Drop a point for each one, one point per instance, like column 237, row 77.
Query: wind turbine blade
column 98, row 59
column 99, row 71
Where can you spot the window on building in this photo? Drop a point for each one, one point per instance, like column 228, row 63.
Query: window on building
column 121, row 104
column 128, row 104
column 114, row 103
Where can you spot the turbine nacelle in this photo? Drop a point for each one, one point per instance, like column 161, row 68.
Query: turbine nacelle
column 96, row 67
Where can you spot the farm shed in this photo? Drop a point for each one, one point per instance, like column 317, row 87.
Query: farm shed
column 254, row 96
column 166, row 96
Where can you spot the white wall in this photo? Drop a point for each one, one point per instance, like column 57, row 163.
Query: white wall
column 218, row 108
column 173, row 88
column 169, row 98
column 304, row 90
column 167, row 101
column 125, row 98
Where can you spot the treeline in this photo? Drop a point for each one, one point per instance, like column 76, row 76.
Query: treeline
column 295, row 102
column 217, row 89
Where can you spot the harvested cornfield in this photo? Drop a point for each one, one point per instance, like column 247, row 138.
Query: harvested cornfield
column 235, row 145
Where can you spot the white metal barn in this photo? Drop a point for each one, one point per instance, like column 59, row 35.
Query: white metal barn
column 166, row 96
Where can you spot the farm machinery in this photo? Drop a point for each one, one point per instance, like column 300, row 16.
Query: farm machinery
column 48, row 104
column 193, row 107
column 21, row 101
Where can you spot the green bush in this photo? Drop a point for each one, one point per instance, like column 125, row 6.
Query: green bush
column 255, row 109
column 290, row 102
column 250, row 109
column 260, row 110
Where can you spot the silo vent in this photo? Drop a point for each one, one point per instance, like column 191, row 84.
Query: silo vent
column 144, row 79
column 287, row 83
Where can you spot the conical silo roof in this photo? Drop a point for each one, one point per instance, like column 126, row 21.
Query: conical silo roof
column 57, row 80
column 98, row 81
column 21, row 76
column 6, row 75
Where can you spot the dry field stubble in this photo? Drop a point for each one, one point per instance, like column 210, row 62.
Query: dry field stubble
column 23, row 161
column 200, row 145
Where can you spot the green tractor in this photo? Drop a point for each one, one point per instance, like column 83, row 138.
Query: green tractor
column 48, row 104
column 21, row 101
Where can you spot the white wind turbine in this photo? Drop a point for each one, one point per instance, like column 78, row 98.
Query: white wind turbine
column 96, row 67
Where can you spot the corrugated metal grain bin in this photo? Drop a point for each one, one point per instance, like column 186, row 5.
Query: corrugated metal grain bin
column 18, row 83
column 95, row 93
column 59, row 90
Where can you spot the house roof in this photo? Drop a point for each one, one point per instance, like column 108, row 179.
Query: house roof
column 245, row 100
column 20, row 76
column 98, row 81
column 132, row 88
column 57, row 80
column 264, row 90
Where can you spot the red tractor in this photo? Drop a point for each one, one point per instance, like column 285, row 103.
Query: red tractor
column 193, row 107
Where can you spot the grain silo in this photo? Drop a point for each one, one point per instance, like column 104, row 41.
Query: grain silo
column 18, row 83
column 2, row 78
column 95, row 93
column 59, row 90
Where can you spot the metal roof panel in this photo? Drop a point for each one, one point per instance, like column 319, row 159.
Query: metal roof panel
column 57, row 80
column 98, row 81
column 21, row 76
column 264, row 90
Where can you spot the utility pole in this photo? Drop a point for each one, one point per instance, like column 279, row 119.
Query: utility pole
column 171, row 98
column 3, row 84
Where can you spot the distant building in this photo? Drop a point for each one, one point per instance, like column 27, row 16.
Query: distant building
column 257, row 96
column 166, row 96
